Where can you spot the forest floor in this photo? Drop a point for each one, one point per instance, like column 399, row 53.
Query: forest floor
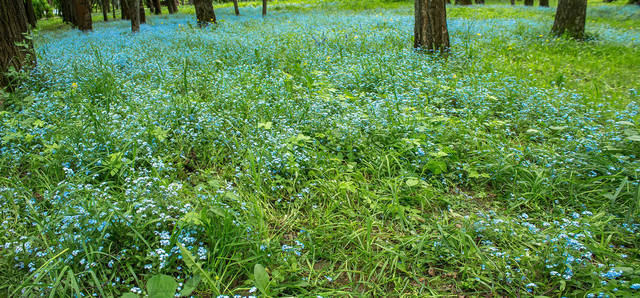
column 314, row 152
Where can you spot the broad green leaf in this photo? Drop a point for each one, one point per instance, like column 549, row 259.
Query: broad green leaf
column 634, row 138
column 129, row 295
column 412, row 182
column 190, row 285
column 265, row 125
column 261, row 277
column 161, row 286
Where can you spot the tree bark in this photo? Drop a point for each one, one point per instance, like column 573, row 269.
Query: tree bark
column 570, row 18
column 13, row 27
column 479, row 1
column 528, row 2
column 430, row 31
column 68, row 12
column 31, row 15
column 264, row 8
column 105, row 9
column 204, row 12
column 124, row 10
column 544, row 3
column 143, row 17
column 463, row 2
column 83, row 14
column 235, row 7
column 157, row 8
column 113, row 8
column 134, row 14
column 172, row 6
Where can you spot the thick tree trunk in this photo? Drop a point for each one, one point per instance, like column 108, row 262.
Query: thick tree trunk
column 172, row 6
column 544, row 3
column 235, row 7
column 157, row 8
column 134, row 14
column 264, row 8
column 31, row 15
column 463, row 2
column 83, row 14
column 204, row 12
column 143, row 17
column 105, row 9
column 13, row 27
column 68, row 12
column 124, row 10
column 528, row 2
column 113, row 8
column 570, row 18
column 430, row 31
column 479, row 1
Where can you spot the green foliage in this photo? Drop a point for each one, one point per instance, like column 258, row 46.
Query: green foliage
column 42, row 9
column 313, row 152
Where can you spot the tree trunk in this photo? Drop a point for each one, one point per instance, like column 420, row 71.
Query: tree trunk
column 83, row 15
column 528, row 2
column 634, row 2
column 172, row 6
column 124, row 9
column 105, row 9
column 31, row 15
column 463, row 2
column 235, row 7
column 430, row 31
column 570, row 18
column 68, row 12
column 157, row 8
column 264, row 8
column 13, row 27
column 479, row 1
column 544, row 3
column 143, row 17
column 204, row 12
column 134, row 14
column 513, row 2
column 113, row 8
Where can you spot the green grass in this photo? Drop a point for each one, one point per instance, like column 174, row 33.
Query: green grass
column 316, row 143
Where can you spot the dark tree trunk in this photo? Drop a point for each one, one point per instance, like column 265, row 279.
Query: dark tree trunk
column 479, row 1
column 68, row 12
column 124, row 9
column 570, row 18
column 157, row 9
column 31, row 15
column 172, row 6
column 13, row 27
column 264, row 8
column 235, row 7
column 430, row 31
column 463, row 2
column 105, row 9
column 634, row 2
column 143, row 17
column 544, row 3
column 513, row 2
column 134, row 14
column 204, row 12
column 113, row 8
column 83, row 14
column 528, row 2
